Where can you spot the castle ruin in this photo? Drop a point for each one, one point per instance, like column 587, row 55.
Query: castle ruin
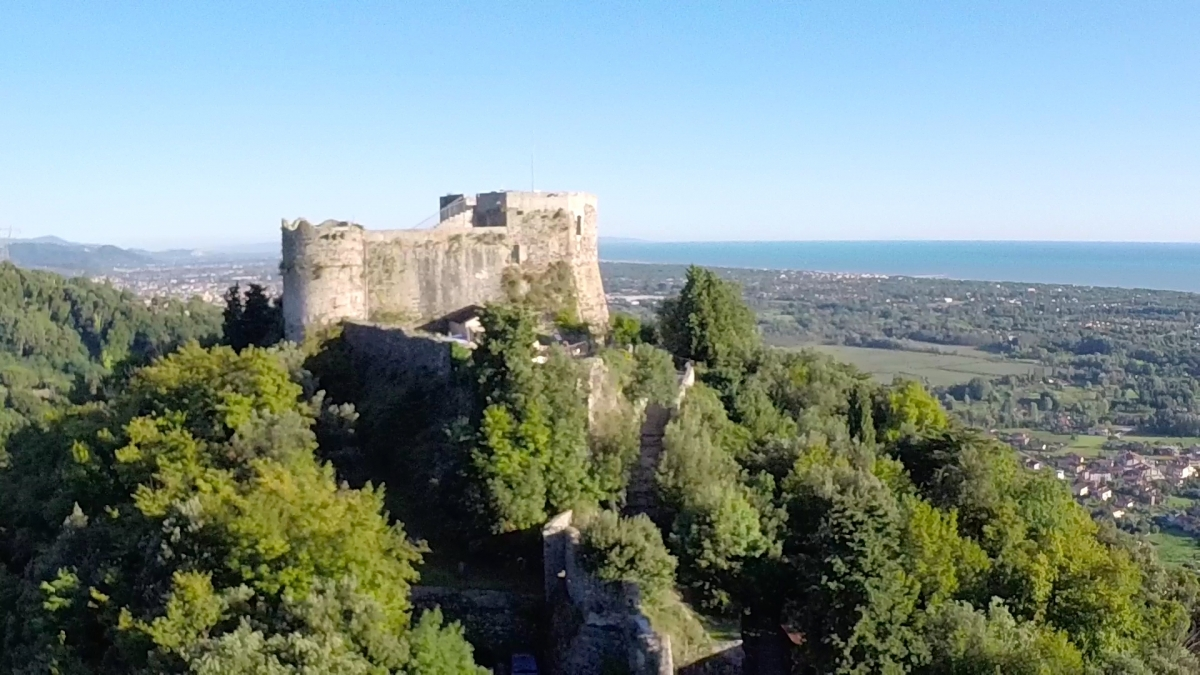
column 480, row 248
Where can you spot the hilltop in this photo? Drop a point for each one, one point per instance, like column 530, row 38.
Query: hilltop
column 72, row 258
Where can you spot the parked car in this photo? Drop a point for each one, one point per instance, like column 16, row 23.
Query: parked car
column 524, row 664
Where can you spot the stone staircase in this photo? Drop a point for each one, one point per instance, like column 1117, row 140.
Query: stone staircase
column 641, row 494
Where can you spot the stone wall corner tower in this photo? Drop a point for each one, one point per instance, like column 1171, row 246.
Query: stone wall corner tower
column 323, row 279
column 337, row 271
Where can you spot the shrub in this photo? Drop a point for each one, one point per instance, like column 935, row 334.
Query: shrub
column 654, row 377
column 619, row 549
column 624, row 330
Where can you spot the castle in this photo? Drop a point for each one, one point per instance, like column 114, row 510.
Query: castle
column 481, row 248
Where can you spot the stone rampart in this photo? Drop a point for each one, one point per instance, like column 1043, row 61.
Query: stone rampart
column 402, row 358
column 595, row 626
column 414, row 276
column 338, row 271
column 496, row 623
column 322, row 274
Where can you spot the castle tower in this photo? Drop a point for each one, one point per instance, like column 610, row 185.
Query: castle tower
column 585, row 262
column 479, row 249
column 323, row 280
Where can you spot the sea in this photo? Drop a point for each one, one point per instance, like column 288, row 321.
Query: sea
column 1173, row 267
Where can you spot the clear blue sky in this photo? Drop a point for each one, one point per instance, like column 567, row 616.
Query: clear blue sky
column 173, row 123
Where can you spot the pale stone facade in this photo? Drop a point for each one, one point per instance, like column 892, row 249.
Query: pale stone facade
column 339, row 271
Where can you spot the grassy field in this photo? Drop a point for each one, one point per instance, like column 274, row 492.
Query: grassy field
column 1087, row 446
column 1175, row 549
column 1177, row 503
column 936, row 369
column 1090, row 446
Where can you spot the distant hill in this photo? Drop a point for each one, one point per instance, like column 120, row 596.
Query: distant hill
column 73, row 257
column 49, row 239
column 60, row 255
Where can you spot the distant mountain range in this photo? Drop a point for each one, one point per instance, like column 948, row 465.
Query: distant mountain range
column 60, row 255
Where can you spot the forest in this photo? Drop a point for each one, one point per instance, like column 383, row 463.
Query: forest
column 60, row 337
column 167, row 509
column 236, row 505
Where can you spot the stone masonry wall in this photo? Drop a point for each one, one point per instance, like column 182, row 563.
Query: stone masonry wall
column 594, row 626
column 388, row 354
column 416, row 275
column 496, row 623
column 322, row 270
column 337, row 271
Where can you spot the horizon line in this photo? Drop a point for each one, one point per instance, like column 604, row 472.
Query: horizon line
column 217, row 246
column 637, row 240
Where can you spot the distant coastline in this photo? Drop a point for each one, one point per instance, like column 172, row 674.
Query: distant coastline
column 1156, row 266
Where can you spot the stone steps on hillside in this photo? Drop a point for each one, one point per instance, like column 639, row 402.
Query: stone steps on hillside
column 641, row 495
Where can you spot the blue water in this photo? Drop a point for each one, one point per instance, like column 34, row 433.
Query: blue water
column 1159, row 266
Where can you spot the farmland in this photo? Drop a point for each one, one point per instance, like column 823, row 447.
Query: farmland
column 941, row 369
column 1092, row 446
column 1174, row 548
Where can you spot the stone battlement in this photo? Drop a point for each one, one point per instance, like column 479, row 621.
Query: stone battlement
column 337, row 271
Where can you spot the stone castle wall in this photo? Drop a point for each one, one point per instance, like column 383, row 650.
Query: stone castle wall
column 337, row 271
column 595, row 627
column 391, row 356
column 496, row 623
column 416, row 275
column 322, row 274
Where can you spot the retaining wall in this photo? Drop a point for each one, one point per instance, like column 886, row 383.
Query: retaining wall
column 596, row 627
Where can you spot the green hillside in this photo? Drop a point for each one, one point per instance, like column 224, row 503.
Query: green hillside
column 62, row 336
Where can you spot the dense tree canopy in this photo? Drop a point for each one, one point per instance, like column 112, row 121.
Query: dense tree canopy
column 181, row 521
column 251, row 318
column 893, row 541
column 628, row 549
column 186, row 526
column 708, row 322
column 530, row 444
column 60, row 338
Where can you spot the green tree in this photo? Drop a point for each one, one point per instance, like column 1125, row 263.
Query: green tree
column 910, row 409
column 966, row 641
column 186, row 525
column 654, row 377
column 233, row 318
column 624, row 330
column 627, row 549
column 850, row 594
column 504, row 359
column 709, row 322
column 252, row 318
column 1047, row 559
column 934, row 554
column 717, row 525
column 509, row 463
column 861, row 420
column 979, row 389
column 530, row 452
column 64, row 340
column 569, row 482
